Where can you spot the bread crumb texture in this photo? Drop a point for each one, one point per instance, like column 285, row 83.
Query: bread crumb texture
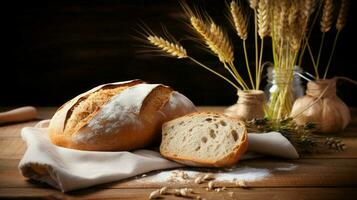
column 202, row 137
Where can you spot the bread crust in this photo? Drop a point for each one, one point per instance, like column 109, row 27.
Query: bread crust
column 228, row 160
column 128, row 136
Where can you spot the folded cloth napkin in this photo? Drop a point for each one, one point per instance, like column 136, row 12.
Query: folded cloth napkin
column 272, row 143
column 69, row 169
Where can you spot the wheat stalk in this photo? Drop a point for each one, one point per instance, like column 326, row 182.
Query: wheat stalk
column 326, row 22
column 239, row 20
column 327, row 16
column 240, row 25
column 217, row 41
column 177, row 50
column 263, row 18
column 341, row 22
column 342, row 15
column 174, row 49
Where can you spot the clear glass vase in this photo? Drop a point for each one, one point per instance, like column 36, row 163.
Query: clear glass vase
column 284, row 86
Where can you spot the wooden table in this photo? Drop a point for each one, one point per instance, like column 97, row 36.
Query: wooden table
column 318, row 176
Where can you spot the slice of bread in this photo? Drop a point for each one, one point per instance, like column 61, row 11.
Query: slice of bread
column 204, row 139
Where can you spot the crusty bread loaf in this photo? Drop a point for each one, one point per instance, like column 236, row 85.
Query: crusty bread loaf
column 204, row 139
column 117, row 116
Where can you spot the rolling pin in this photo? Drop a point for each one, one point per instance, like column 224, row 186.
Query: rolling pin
column 18, row 115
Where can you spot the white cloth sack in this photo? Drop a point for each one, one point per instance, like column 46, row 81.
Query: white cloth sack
column 69, row 169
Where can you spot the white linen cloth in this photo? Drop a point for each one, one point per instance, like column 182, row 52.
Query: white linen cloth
column 69, row 169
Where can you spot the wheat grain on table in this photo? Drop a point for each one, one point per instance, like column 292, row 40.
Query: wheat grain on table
column 314, row 176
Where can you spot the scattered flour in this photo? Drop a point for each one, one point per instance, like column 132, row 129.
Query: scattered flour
column 235, row 174
column 244, row 173
column 171, row 176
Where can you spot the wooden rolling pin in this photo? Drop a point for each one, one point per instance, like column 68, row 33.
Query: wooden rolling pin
column 18, row 115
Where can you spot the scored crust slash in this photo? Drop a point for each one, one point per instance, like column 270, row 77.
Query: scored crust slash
column 118, row 116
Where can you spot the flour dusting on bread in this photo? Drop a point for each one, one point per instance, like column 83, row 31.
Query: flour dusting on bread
column 84, row 111
column 120, row 116
column 122, row 110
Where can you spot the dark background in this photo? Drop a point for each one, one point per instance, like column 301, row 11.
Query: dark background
column 57, row 49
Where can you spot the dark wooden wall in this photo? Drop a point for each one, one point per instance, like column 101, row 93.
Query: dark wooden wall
column 57, row 49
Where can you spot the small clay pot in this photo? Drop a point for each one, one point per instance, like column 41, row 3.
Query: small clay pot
column 250, row 105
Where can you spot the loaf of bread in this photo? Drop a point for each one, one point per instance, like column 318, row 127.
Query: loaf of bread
column 117, row 116
column 204, row 139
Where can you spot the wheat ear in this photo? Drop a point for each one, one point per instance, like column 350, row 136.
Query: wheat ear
column 263, row 18
column 239, row 20
column 342, row 15
column 174, row 49
column 222, row 43
column 309, row 7
column 253, row 4
column 283, row 20
column 216, row 41
column 327, row 16
column 294, row 27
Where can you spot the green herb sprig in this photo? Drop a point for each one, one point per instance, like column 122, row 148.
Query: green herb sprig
column 301, row 137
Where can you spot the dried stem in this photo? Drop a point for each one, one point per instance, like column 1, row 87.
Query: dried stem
column 247, row 65
column 332, row 52
column 256, row 48
column 306, row 38
column 216, row 73
column 319, row 55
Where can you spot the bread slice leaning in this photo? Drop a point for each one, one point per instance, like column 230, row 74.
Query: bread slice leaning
column 204, row 139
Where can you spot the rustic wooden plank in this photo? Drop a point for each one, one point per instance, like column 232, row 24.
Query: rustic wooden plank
column 14, row 130
column 12, row 148
column 231, row 193
column 302, row 173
